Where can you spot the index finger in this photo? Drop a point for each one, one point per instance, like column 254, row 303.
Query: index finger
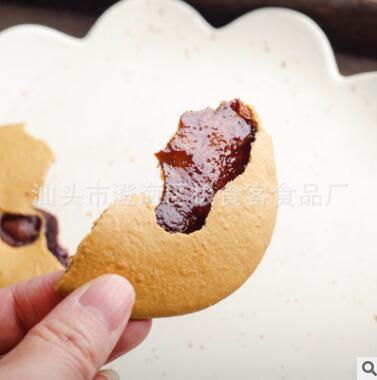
column 23, row 305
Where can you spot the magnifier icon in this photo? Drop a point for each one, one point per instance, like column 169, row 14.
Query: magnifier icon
column 368, row 367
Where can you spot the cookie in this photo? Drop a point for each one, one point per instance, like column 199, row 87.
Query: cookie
column 195, row 248
column 28, row 236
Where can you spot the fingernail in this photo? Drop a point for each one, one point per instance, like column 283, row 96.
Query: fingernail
column 107, row 374
column 112, row 297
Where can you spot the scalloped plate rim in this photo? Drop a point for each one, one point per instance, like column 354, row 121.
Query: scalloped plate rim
column 313, row 27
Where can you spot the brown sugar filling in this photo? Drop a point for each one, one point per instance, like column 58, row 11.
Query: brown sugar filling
column 19, row 230
column 209, row 149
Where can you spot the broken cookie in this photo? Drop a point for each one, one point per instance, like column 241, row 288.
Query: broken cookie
column 28, row 236
column 194, row 249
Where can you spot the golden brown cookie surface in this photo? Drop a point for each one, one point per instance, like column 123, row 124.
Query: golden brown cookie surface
column 24, row 162
column 22, row 263
column 181, row 273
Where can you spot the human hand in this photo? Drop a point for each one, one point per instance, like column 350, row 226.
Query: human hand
column 46, row 337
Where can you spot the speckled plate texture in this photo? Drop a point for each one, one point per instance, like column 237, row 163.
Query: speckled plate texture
column 107, row 102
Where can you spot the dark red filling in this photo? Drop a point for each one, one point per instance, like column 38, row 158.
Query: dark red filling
column 21, row 230
column 52, row 233
column 209, row 149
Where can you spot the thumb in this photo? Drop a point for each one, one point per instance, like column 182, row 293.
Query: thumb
column 76, row 338
column 107, row 374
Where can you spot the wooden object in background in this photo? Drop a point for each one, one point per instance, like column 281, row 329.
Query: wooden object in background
column 351, row 25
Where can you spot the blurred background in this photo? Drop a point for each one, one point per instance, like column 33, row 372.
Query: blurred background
column 351, row 25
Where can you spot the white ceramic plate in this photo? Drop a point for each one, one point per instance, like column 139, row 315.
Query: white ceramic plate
column 107, row 102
